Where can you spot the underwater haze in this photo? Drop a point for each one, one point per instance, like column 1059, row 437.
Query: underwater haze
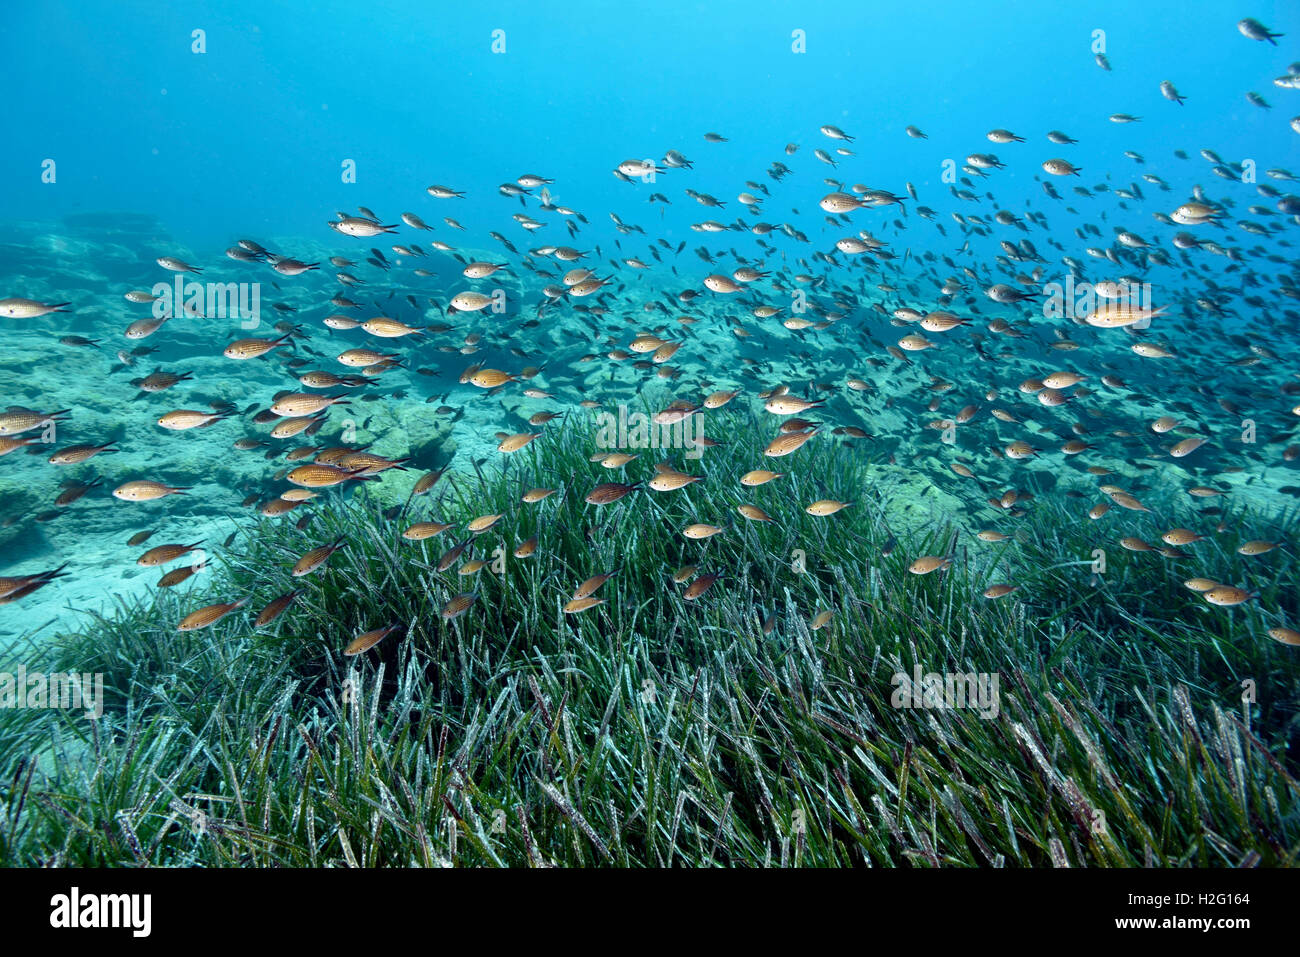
column 180, row 129
column 311, row 311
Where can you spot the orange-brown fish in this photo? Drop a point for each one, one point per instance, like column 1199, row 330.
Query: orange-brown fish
column 491, row 378
column 1228, row 595
column 368, row 464
column 1288, row 636
column 210, row 614
column 367, row 640
column 1257, row 547
column 513, row 443
column 717, row 400
column 307, row 425
column 581, row 604
column 302, row 403
column 427, row 481
column 701, row 585
column 458, row 605
column 790, row 442
column 826, row 506
column 253, row 348
column 10, row 587
column 669, row 479
column 422, row 530
column 278, row 506
column 364, row 358
column 701, row 530
column 1187, row 447
column 315, row 558
column 162, row 554
column 176, row 576
column 1125, row 500
column 8, row 444
column 1000, row 591
column 276, row 608
column 74, row 491
column 616, row 460
column 159, row 381
column 754, row 513
column 759, row 477
column 589, row 586
column 478, row 526
column 609, row 492
column 928, row 563
column 316, row 475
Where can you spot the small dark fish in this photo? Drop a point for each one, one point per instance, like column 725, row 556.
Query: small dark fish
column 449, row 557
column 176, row 576
column 700, row 586
column 276, row 608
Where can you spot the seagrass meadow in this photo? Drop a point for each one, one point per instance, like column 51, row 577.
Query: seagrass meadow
column 1134, row 725
column 718, row 435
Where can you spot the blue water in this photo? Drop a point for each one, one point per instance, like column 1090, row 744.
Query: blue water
column 249, row 137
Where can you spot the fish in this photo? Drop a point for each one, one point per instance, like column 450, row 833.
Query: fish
column 316, row 475
column 209, row 615
column 177, row 575
column 147, row 490
column 826, row 506
column 929, row 563
column 790, row 442
column 315, row 558
column 163, row 554
column 1252, row 29
column 14, row 587
column 700, row 586
column 609, row 492
column 276, row 607
column 458, row 605
column 422, row 530
column 76, row 454
column 368, row 639
column 15, row 420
